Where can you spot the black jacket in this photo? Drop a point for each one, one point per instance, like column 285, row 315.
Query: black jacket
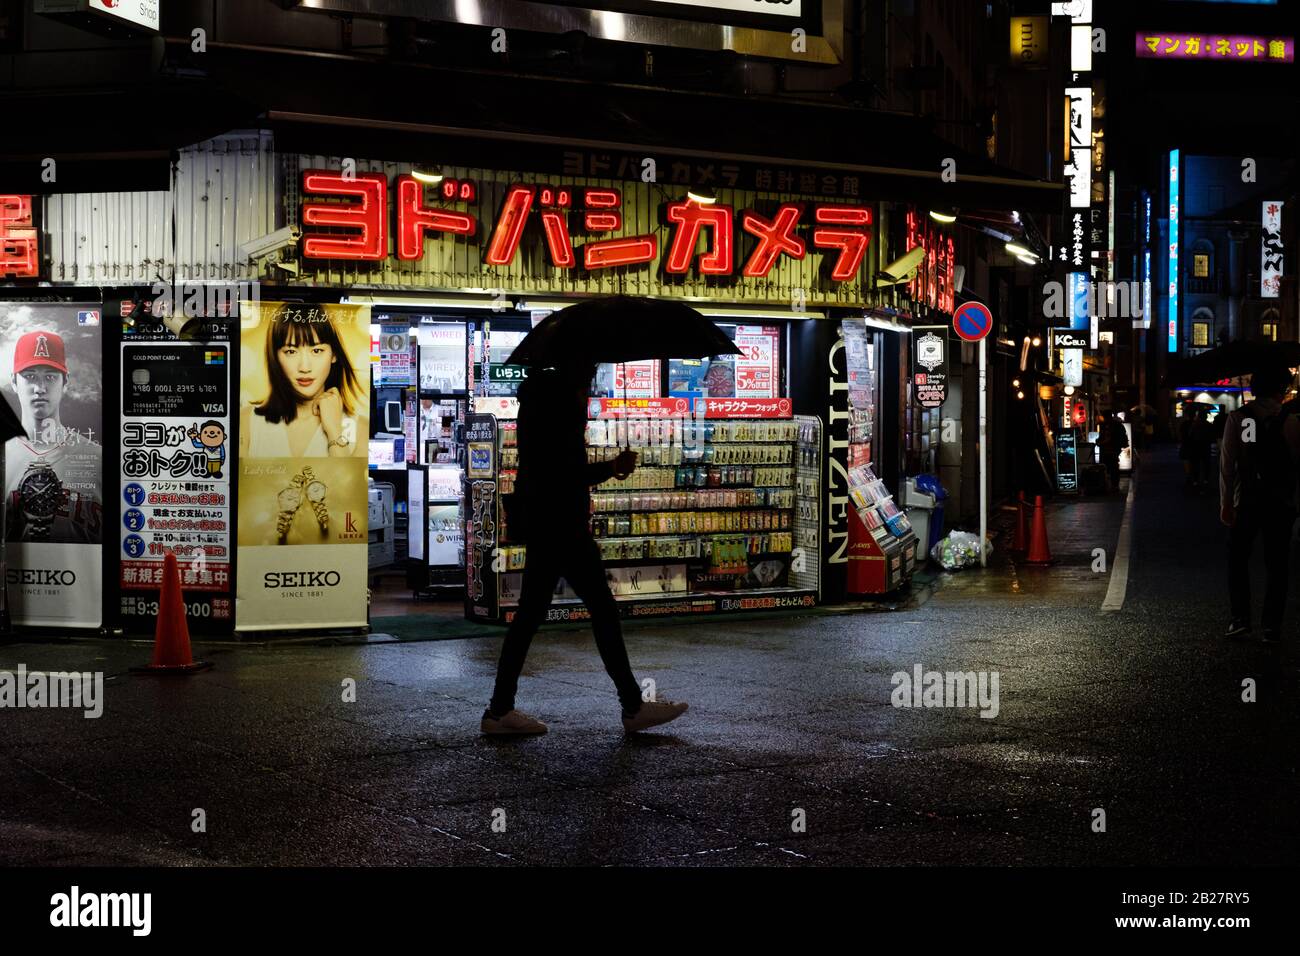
column 553, row 485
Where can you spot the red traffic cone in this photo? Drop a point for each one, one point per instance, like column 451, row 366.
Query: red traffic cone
column 171, row 641
column 1039, row 551
column 1021, row 543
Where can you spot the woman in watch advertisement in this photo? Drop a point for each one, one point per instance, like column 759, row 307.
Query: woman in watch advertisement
column 311, row 405
column 302, row 467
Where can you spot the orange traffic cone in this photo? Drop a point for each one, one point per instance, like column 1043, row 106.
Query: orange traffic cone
column 1039, row 551
column 1021, row 543
column 171, row 641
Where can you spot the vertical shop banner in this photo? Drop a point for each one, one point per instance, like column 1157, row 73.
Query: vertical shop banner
column 480, row 539
column 53, row 377
column 1270, row 266
column 635, row 379
column 176, row 482
column 757, row 365
column 394, row 354
column 442, row 357
column 930, row 365
column 303, row 437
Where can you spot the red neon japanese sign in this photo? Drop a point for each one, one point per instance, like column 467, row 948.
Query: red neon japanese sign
column 775, row 237
column 19, row 249
column 367, row 214
column 933, row 285
column 414, row 218
column 701, row 237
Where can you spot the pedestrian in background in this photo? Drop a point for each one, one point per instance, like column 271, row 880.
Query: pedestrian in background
column 1259, row 460
column 550, row 513
column 1195, row 439
column 1112, row 438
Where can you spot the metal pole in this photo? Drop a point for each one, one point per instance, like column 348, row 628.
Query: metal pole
column 984, row 465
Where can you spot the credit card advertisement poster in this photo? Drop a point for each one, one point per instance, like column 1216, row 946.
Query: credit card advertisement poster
column 176, row 480
column 303, row 463
column 52, row 377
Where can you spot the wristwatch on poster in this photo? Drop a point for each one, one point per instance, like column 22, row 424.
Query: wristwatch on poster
column 347, row 435
column 39, row 494
column 289, row 501
column 316, row 497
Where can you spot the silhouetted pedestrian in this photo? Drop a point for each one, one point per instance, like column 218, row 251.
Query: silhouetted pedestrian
column 1112, row 438
column 550, row 512
column 1258, row 460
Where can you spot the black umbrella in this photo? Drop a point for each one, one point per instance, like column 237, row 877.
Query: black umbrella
column 620, row 329
column 11, row 426
column 1235, row 358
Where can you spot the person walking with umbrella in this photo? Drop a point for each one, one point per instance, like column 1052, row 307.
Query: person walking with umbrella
column 1259, row 462
column 549, row 513
column 550, row 507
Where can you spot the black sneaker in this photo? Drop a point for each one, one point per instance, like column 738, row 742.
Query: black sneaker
column 1238, row 631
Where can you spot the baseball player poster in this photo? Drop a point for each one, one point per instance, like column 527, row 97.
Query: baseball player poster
column 52, row 376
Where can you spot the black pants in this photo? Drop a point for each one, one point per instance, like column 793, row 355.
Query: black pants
column 1111, row 461
column 1276, row 525
column 576, row 558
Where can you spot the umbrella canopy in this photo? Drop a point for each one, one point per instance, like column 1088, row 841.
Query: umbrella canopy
column 620, row 329
column 1235, row 358
column 11, row 425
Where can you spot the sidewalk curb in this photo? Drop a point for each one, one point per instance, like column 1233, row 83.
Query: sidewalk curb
column 1117, row 590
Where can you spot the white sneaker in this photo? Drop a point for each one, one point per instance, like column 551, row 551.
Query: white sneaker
column 653, row 713
column 511, row 722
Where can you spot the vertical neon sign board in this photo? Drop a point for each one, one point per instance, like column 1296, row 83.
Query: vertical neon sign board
column 1079, row 291
column 1174, row 166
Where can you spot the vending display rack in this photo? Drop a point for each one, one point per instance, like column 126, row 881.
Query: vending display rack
column 706, row 523
column 882, row 544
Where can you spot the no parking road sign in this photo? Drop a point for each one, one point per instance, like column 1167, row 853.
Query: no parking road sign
column 972, row 321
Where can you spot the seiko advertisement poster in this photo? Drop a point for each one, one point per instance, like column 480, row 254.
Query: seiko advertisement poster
column 176, row 478
column 303, row 453
column 53, row 525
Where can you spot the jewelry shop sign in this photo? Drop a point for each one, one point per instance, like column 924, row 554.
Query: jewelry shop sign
column 930, row 364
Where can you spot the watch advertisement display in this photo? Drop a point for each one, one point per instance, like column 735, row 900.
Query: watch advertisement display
column 303, row 457
column 54, row 477
column 176, row 477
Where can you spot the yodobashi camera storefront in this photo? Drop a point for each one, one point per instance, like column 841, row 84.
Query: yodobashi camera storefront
column 730, row 507
column 743, row 496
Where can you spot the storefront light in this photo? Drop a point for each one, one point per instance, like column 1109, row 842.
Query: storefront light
column 431, row 176
column 469, row 301
column 1036, row 342
column 1028, row 260
column 1069, row 390
column 701, row 195
column 1015, row 383
column 1020, row 394
column 1016, row 249
column 715, row 312
column 943, row 217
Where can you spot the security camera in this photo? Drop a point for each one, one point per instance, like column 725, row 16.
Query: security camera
column 272, row 243
column 901, row 269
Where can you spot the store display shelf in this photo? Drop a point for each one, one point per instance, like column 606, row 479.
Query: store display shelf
column 648, row 511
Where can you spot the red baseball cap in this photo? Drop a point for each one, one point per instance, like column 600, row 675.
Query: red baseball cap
column 40, row 348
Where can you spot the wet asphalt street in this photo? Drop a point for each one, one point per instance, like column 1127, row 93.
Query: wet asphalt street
column 1138, row 714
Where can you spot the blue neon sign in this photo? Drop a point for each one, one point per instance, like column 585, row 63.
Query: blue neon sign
column 1175, row 169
